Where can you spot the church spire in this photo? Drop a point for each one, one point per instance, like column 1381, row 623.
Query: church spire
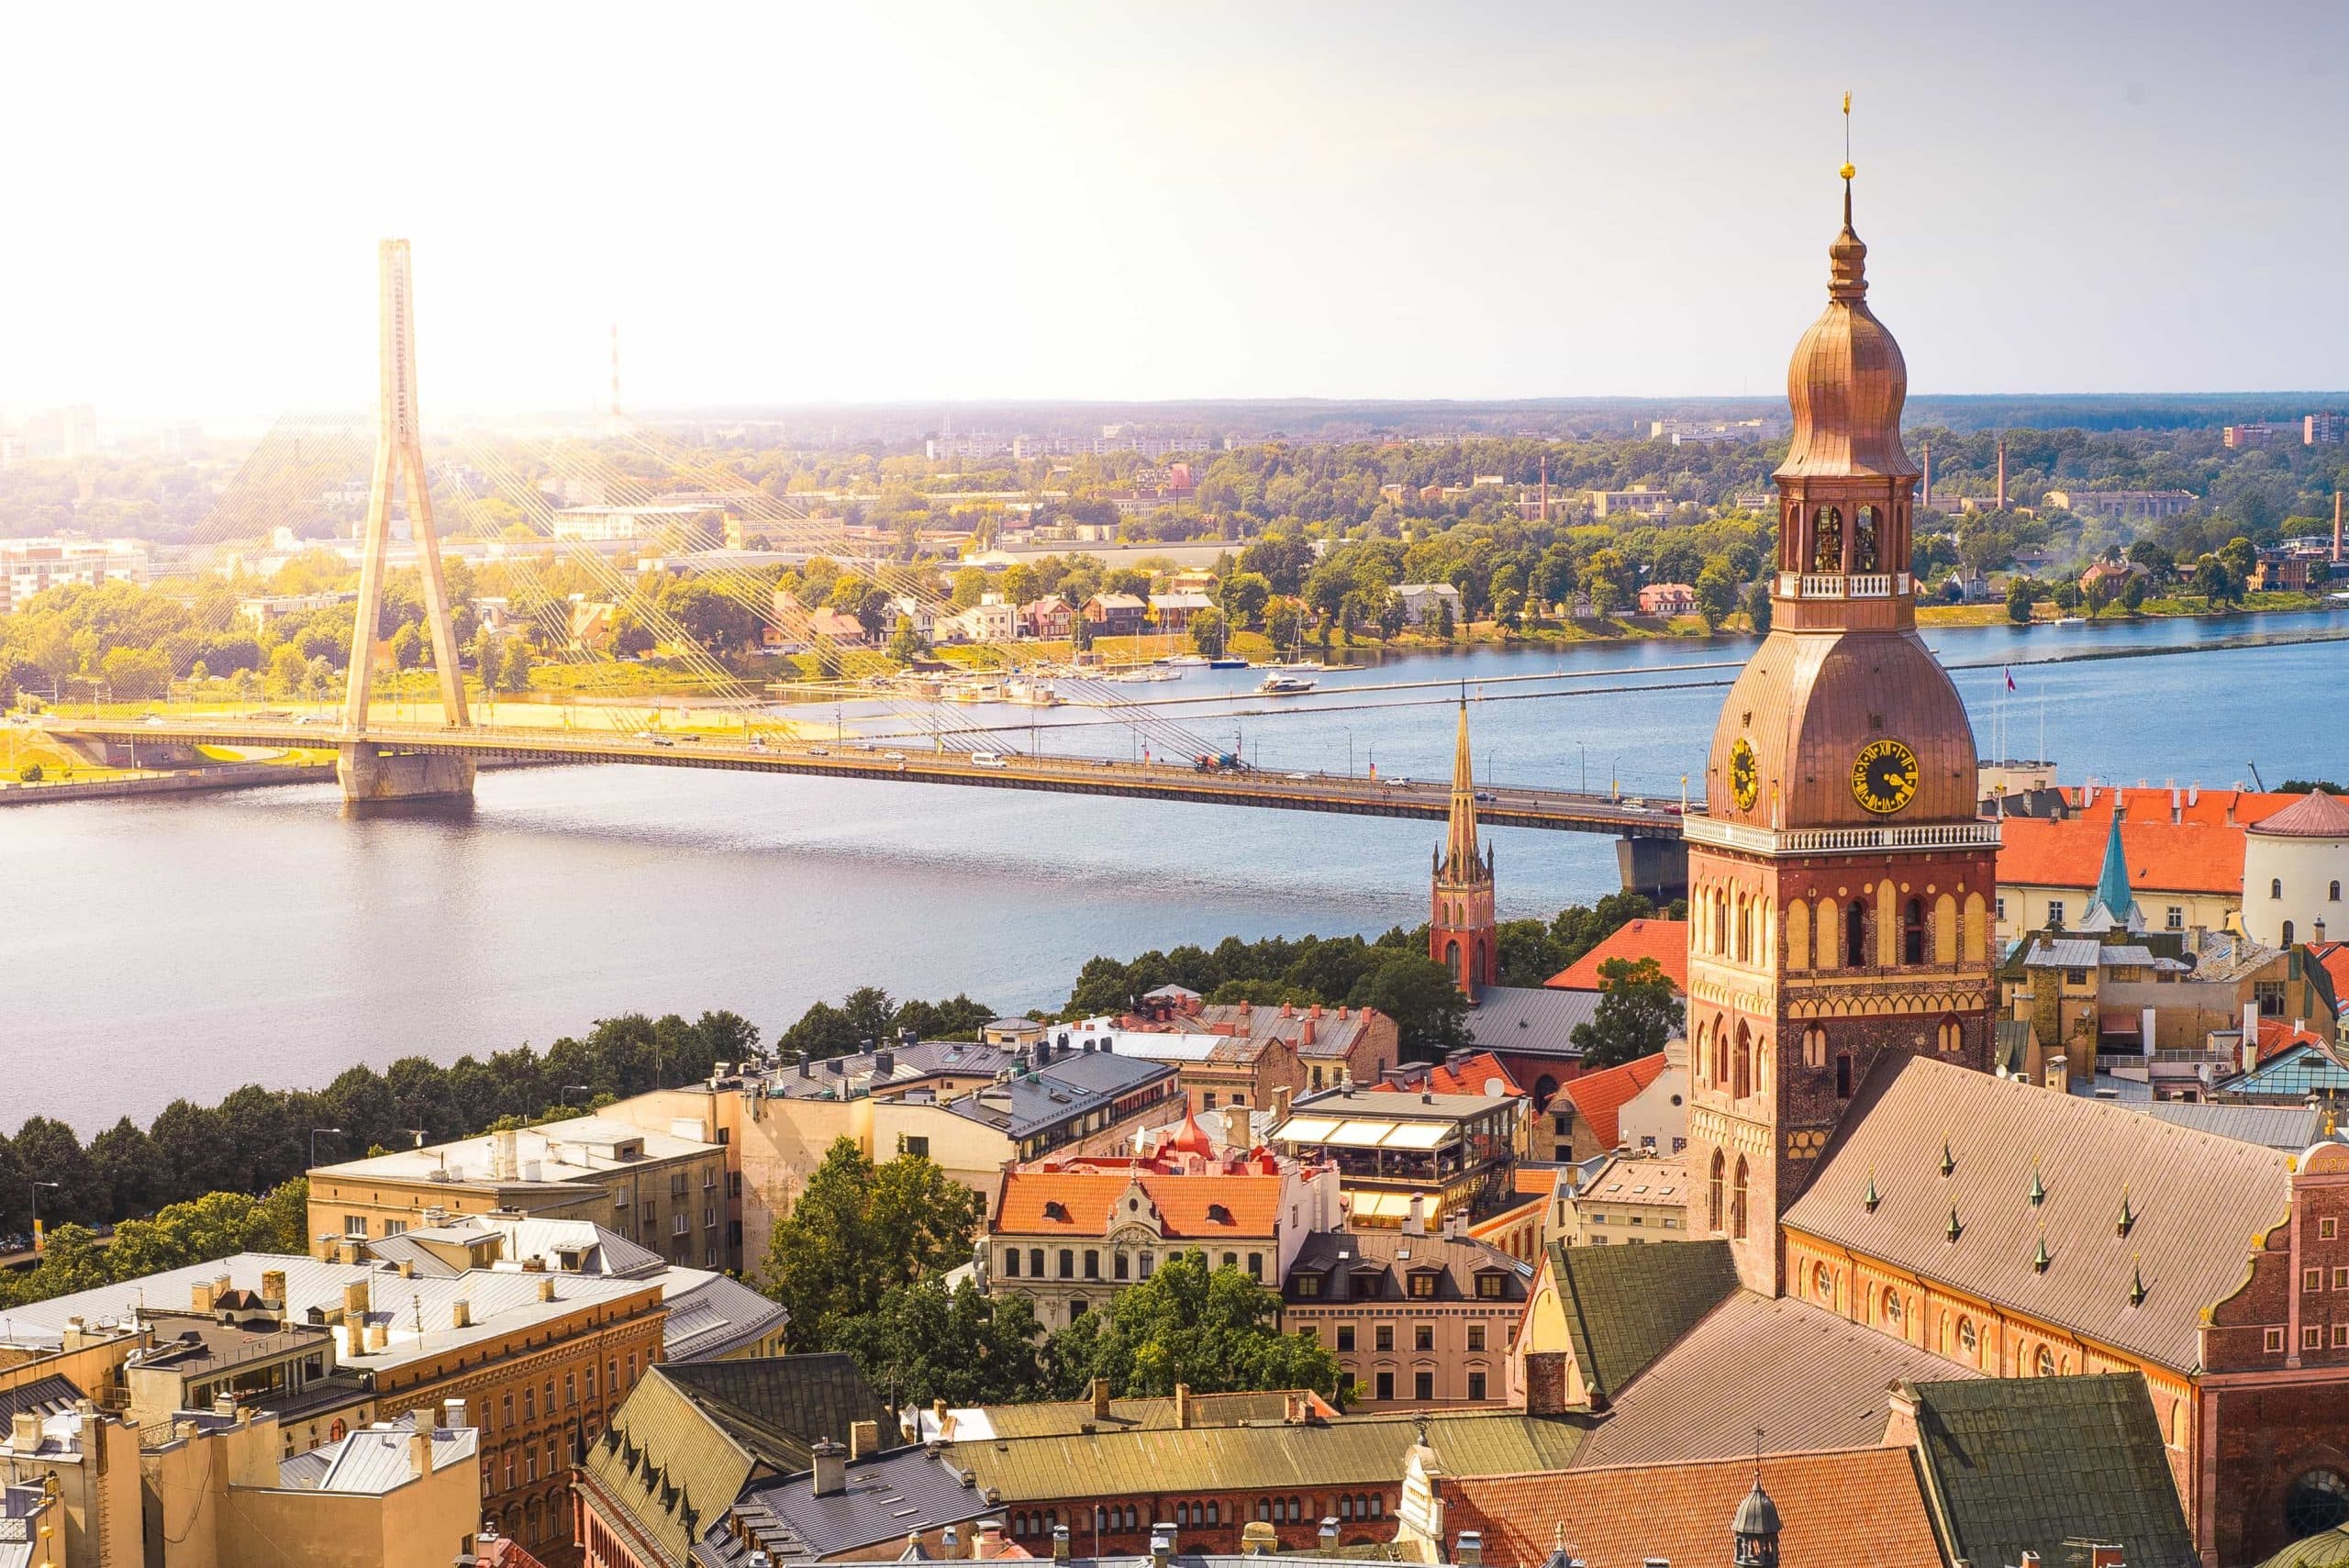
column 1461, row 859
column 2112, row 890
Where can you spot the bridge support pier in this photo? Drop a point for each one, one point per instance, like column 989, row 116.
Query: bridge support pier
column 1657, row 867
column 373, row 774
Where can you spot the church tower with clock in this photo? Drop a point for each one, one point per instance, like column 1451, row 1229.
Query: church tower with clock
column 1840, row 881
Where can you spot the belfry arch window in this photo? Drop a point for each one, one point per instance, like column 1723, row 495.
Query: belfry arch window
column 1742, row 1083
column 1714, row 1206
column 1864, row 545
column 1826, row 539
column 1855, row 935
column 1912, row 932
column 1737, row 1202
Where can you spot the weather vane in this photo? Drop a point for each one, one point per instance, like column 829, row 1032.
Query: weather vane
column 1848, row 169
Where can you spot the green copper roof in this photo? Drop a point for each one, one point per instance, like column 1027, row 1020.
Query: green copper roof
column 2112, row 887
column 2327, row 1549
column 1626, row 1305
column 2018, row 1464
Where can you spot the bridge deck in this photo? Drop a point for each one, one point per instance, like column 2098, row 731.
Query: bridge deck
column 1564, row 810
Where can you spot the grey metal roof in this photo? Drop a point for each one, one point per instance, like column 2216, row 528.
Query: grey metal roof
column 889, row 1497
column 1530, row 1020
column 374, row 1460
column 2292, row 1128
column 1070, row 1087
column 2064, row 953
column 712, row 1314
column 43, row 1396
column 851, row 1077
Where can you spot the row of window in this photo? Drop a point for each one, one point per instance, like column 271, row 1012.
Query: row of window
column 1382, row 1337
column 1122, row 1264
column 1419, row 1286
column 1422, row 1385
column 1126, row 1516
column 1735, row 925
column 2275, row 890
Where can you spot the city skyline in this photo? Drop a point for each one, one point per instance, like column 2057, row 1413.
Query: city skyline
column 1355, row 203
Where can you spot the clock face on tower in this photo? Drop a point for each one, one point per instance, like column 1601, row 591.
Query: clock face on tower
column 1884, row 776
column 1744, row 775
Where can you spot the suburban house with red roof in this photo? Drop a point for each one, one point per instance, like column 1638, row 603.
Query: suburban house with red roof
column 1068, row 1241
column 1665, row 941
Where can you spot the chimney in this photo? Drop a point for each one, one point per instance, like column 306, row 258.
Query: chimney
column 1060, row 1543
column 1470, row 1553
column 1326, row 1537
column 461, row 1313
column 546, row 1287
column 272, row 1287
column 1415, row 1222
column 1258, row 1539
column 864, row 1437
column 379, row 1337
column 2031, row 1559
column 1305, row 1036
column 201, row 1295
column 1161, row 1544
column 885, row 1063
column 504, row 1155
column 224, row 1404
column 23, row 1432
column 986, row 1540
column 453, row 1415
column 1184, row 1412
column 354, row 1299
column 419, row 1451
column 407, row 1268
column 1100, row 1398
column 2107, row 1555
column 831, row 1469
column 803, row 1062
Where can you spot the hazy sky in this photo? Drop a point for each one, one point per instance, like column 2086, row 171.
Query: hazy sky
column 784, row 202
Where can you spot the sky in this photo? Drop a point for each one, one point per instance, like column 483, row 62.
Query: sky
column 785, row 203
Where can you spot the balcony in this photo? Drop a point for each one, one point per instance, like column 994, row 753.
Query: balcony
column 1832, row 585
column 1814, row 840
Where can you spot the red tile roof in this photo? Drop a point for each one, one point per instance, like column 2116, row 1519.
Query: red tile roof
column 1471, row 1074
column 1855, row 1504
column 1666, row 941
column 1085, row 1201
column 2277, row 1035
column 2334, row 956
column 2211, row 807
column 2163, row 857
column 1601, row 1095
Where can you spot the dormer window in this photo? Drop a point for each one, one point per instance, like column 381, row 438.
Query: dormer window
column 1423, row 1286
column 1219, row 1214
column 1055, row 1209
column 1309, row 1285
column 1488, row 1287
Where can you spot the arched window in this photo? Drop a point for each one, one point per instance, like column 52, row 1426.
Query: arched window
column 2333, row 892
column 1742, row 1068
column 1826, row 539
column 2044, row 1365
column 1822, row 1285
column 2276, row 888
column 1737, row 1202
column 1969, row 1343
column 1855, row 935
column 1864, row 551
column 2288, row 933
column 1949, row 1038
column 1814, row 1046
column 1843, row 1074
column 1892, row 1309
column 1912, row 932
column 1451, row 957
column 1545, row 1089
column 1713, row 1207
column 2317, row 1502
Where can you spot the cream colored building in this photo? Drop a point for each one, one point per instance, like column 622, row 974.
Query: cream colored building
column 217, row 1494
column 2294, row 866
column 91, row 1460
column 1631, row 1200
column 663, row 1188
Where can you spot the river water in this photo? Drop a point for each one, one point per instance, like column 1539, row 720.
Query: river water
column 154, row 950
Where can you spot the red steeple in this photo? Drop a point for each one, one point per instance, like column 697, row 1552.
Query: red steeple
column 1460, row 920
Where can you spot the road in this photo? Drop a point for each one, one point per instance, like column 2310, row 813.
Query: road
column 1499, row 806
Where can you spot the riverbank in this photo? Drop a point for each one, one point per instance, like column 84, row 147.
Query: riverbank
column 195, row 781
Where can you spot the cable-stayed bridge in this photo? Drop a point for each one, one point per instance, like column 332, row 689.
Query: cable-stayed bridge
column 488, row 487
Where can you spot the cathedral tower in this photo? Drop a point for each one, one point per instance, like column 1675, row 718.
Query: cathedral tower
column 1839, row 879
column 1460, row 916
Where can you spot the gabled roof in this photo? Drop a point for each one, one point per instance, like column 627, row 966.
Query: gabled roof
column 1865, row 1505
column 2288, row 1128
column 1530, row 1021
column 2016, row 1465
column 1666, row 941
column 1626, row 1305
column 2300, row 1073
column 2195, row 1201
column 1375, row 1265
column 2213, row 808
column 1600, row 1096
column 2161, row 857
column 1808, row 1378
column 1190, row 1207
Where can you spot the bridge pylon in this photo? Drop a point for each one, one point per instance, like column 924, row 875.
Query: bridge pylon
column 369, row 771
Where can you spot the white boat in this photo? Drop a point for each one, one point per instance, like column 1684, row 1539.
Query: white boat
column 2072, row 620
column 971, row 692
column 1300, row 666
column 1185, row 661
column 1284, row 686
column 1033, row 693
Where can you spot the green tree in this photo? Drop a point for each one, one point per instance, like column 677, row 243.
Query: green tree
column 924, row 1342
column 1444, row 627
column 1214, row 1330
column 2132, row 594
column 1244, row 596
column 969, row 583
column 1716, row 594
column 2022, row 593
column 138, row 1179
column 49, row 1151
column 905, row 643
column 1759, row 606
column 1637, row 1010
column 1208, row 631
column 1430, row 1015
column 514, row 666
column 407, row 646
column 859, row 1231
column 1282, row 620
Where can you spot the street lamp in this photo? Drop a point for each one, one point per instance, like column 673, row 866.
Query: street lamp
column 36, row 1187
column 313, row 1142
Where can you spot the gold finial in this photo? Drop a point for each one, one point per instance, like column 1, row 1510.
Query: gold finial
column 1848, row 169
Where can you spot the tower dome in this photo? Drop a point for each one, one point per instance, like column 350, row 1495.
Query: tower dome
column 1847, row 382
column 1755, row 1529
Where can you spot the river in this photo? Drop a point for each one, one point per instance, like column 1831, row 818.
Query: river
column 156, row 949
